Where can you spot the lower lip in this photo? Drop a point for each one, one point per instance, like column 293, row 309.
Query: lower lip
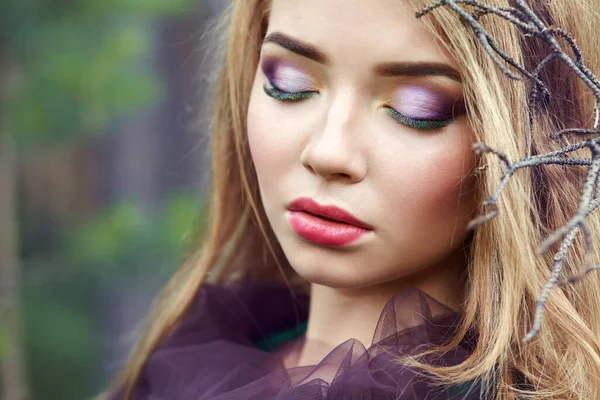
column 322, row 231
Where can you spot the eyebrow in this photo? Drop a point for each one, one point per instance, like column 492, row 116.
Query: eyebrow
column 388, row 69
column 417, row 69
column 297, row 47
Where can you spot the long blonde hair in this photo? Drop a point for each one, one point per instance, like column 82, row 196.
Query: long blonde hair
column 505, row 273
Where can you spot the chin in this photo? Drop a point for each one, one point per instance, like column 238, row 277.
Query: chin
column 341, row 268
column 335, row 274
column 327, row 267
column 335, row 281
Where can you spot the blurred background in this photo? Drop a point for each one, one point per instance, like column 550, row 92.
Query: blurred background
column 102, row 179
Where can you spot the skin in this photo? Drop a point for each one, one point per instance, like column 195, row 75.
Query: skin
column 341, row 146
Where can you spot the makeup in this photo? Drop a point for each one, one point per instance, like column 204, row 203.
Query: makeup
column 423, row 107
column 286, row 81
column 325, row 225
column 420, row 102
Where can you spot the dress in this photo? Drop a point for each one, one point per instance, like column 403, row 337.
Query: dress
column 222, row 350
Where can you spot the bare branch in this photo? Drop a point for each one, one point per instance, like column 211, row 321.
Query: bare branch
column 522, row 17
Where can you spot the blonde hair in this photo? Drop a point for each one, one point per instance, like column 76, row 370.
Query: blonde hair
column 505, row 274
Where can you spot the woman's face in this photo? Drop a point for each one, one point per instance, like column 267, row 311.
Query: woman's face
column 355, row 106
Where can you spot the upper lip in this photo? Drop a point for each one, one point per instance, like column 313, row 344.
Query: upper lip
column 331, row 212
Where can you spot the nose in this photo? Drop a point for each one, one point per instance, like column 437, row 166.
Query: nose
column 334, row 151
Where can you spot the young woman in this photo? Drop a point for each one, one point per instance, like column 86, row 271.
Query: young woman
column 337, row 262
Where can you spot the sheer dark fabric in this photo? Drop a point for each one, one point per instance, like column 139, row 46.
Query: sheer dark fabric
column 222, row 351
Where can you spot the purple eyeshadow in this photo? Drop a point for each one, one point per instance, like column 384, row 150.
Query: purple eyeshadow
column 419, row 102
column 286, row 76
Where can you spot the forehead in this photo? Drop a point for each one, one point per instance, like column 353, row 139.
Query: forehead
column 358, row 30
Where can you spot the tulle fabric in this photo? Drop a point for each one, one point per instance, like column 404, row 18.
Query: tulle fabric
column 218, row 351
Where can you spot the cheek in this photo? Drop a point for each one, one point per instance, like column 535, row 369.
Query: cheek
column 261, row 138
column 261, row 141
column 261, row 147
column 271, row 144
column 434, row 183
column 276, row 132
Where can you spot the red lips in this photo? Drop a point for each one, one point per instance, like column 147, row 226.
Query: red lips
column 325, row 225
column 329, row 212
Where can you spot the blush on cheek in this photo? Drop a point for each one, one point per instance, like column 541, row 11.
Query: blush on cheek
column 276, row 132
column 269, row 143
column 430, row 186
column 450, row 190
column 260, row 152
column 261, row 133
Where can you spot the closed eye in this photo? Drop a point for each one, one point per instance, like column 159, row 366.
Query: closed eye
column 281, row 95
column 421, row 124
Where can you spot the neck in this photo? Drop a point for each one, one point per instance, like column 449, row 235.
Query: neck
column 339, row 314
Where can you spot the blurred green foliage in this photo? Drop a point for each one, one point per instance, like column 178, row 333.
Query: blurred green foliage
column 74, row 65
column 68, row 69
column 123, row 239
column 4, row 340
column 63, row 340
column 109, row 252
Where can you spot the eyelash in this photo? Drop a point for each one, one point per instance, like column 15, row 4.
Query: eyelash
column 278, row 94
column 420, row 124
